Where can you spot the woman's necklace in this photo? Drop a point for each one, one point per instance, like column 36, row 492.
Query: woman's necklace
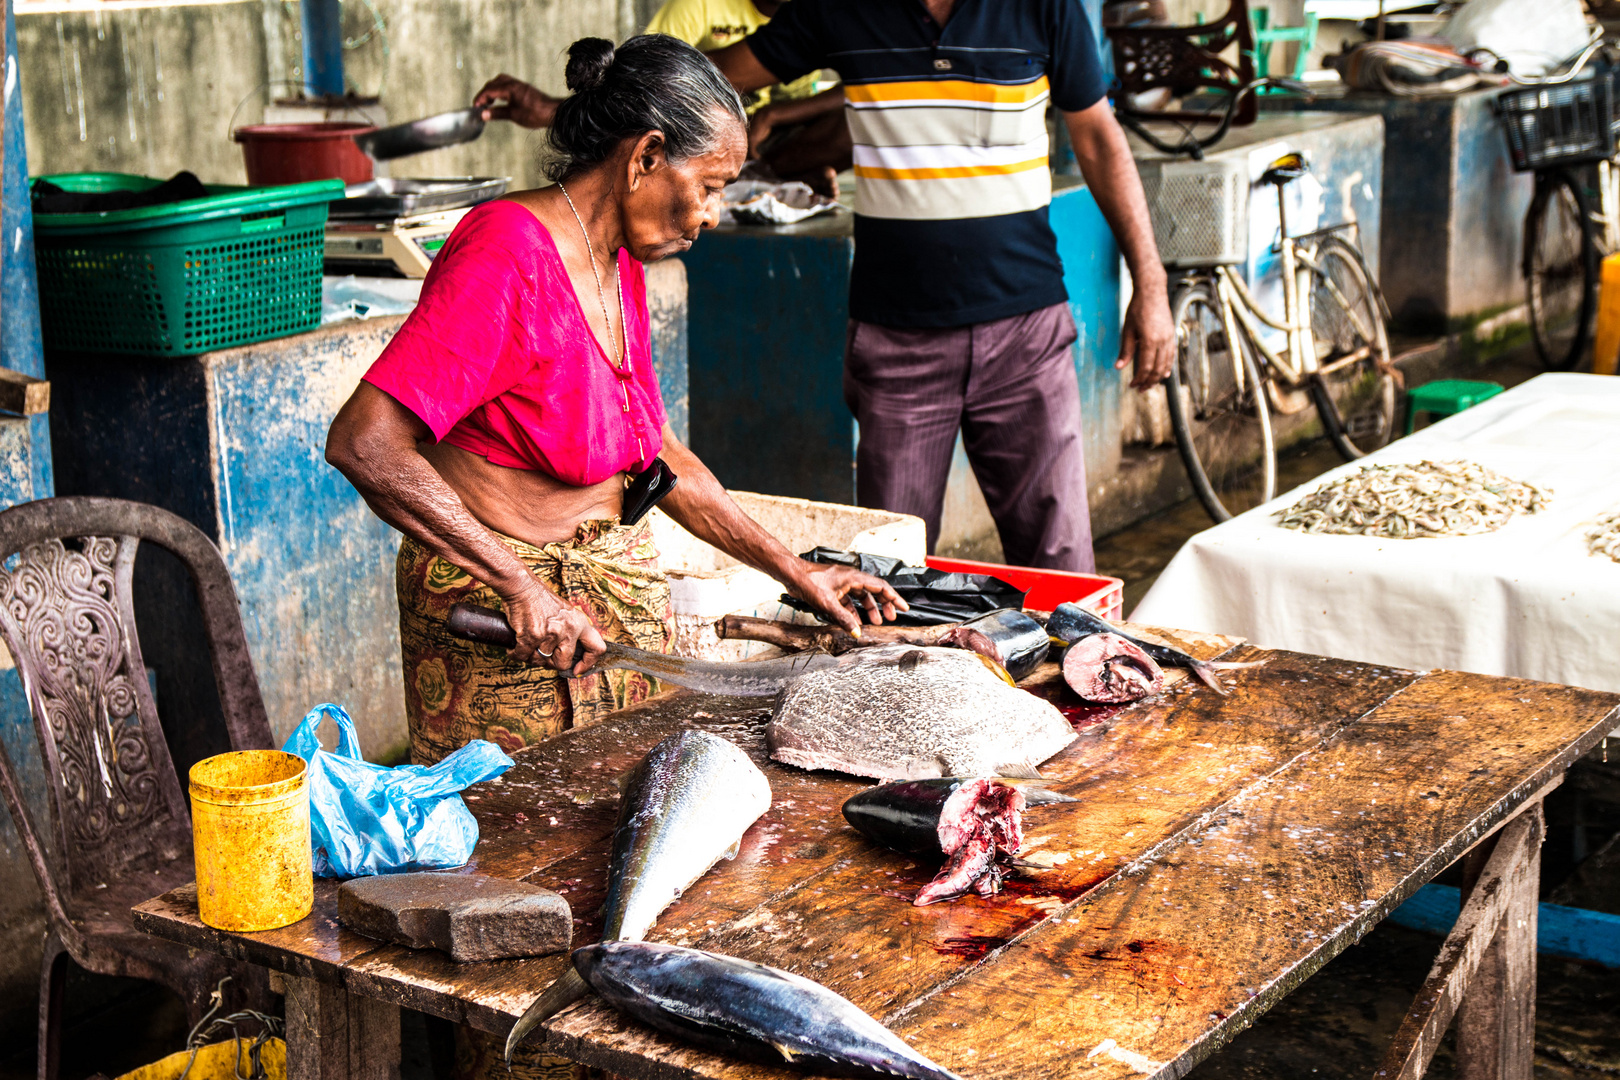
column 622, row 364
column 619, row 361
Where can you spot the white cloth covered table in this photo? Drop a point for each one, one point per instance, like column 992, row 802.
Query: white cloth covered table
column 1525, row 601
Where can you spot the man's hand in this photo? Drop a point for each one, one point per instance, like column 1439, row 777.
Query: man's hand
column 549, row 629
column 759, row 129
column 843, row 593
column 521, row 103
column 1148, row 338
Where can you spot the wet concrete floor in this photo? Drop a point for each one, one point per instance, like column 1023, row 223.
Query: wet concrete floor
column 1336, row 1025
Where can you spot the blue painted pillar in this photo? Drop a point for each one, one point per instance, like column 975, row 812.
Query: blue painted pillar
column 323, row 47
column 25, row 474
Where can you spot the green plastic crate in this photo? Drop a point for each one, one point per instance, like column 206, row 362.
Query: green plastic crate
column 242, row 265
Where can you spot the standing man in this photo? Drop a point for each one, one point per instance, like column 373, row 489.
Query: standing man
column 958, row 315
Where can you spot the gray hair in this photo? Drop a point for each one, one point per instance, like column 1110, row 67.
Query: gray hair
column 653, row 82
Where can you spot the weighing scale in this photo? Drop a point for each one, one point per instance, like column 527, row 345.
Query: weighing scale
column 393, row 226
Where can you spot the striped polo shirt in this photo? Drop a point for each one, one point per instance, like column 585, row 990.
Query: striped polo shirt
column 949, row 127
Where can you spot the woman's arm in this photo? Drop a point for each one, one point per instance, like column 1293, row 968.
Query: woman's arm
column 700, row 505
column 373, row 443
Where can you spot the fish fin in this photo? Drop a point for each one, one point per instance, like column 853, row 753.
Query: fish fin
column 1000, row 671
column 1235, row 665
column 1206, row 675
column 731, row 852
column 1023, row 864
column 622, row 781
column 557, row 997
column 1019, row 771
column 788, row 1054
column 1036, row 793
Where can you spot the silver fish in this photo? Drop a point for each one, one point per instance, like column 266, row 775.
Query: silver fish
column 901, row 712
column 755, row 678
column 749, row 1010
column 685, row 807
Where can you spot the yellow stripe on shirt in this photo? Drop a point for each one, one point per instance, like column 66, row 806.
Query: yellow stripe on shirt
column 954, row 172
column 897, row 93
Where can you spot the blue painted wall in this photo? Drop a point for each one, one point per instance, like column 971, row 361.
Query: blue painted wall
column 768, row 309
column 1091, row 275
column 25, row 474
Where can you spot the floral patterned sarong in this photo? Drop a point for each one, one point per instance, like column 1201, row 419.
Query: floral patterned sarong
column 457, row 691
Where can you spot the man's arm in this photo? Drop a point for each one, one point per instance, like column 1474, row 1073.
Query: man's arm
column 739, row 64
column 799, row 111
column 1148, row 337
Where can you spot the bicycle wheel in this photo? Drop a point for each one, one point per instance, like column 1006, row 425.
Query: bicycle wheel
column 1354, row 397
column 1560, row 269
column 1222, row 430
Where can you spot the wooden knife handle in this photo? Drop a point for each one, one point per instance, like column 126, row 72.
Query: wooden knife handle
column 473, row 623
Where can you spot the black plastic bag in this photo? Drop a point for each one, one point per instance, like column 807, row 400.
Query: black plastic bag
column 935, row 596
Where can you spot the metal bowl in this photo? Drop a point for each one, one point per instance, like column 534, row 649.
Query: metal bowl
column 429, row 133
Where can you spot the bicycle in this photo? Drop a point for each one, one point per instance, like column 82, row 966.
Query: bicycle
column 1228, row 380
column 1560, row 128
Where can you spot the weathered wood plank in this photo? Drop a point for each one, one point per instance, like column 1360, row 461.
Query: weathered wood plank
column 1496, row 1022
column 1513, row 867
column 334, row 1035
column 1167, row 961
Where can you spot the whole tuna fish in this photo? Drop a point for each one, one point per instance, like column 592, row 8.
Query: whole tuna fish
column 749, row 1010
column 1009, row 637
column 975, row 824
column 1110, row 669
column 1071, row 622
column 684, row 808
column 906, row 713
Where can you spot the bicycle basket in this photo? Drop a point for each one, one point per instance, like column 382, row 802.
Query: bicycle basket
column 1567, row 124
column 1200, row 210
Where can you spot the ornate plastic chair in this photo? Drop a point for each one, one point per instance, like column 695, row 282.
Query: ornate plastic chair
column 1183, row 60
column 120, row 829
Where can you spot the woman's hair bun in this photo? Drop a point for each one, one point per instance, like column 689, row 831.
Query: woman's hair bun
column 588, row 63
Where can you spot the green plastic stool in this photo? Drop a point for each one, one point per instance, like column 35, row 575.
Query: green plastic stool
column 1447, row 397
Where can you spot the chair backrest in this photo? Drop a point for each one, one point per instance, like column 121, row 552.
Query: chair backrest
column 67, row 616
column 1184, row 59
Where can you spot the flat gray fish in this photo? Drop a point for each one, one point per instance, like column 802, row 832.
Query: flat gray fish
column 902, row 712
column 684, row 808
column 753, row 678
column 747, row 1010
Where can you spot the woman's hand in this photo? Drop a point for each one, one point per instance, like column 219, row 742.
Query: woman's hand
column 525, row 106
column 549, row 629
column 843, row 594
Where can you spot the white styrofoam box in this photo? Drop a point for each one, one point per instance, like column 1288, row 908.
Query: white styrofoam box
column 706, row 584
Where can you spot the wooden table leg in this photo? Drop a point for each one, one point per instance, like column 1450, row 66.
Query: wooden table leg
column 1485, row 974
column 335, row 1035
column 1496, row 1022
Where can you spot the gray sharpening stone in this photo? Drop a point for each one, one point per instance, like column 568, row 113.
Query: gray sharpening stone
column 469, row 916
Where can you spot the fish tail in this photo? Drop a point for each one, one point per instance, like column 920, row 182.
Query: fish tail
column 558, row 996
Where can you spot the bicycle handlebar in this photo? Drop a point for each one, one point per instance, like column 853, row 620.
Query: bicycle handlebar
column 1565, row 71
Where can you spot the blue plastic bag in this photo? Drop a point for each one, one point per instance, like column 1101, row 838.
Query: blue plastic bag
column 370, row 819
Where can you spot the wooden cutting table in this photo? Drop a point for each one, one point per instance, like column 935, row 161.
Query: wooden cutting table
column 1221, row 851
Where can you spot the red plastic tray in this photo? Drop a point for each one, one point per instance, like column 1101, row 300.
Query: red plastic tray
column 1098, row 593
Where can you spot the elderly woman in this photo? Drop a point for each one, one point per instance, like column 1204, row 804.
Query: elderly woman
column 499, row 427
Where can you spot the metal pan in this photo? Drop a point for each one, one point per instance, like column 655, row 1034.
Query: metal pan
column 395, row 197
column 430, row 133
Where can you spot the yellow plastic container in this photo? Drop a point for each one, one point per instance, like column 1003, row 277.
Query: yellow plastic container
column 1606, row 343
column 217, row 1061
column 250, row 833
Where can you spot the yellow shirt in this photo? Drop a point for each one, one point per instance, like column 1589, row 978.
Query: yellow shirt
column 709, row 25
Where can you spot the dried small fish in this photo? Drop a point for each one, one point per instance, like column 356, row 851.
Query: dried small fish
column 1401, row 502
column 1603, row 535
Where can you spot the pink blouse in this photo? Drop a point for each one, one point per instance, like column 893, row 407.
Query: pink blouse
column 497, row 358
